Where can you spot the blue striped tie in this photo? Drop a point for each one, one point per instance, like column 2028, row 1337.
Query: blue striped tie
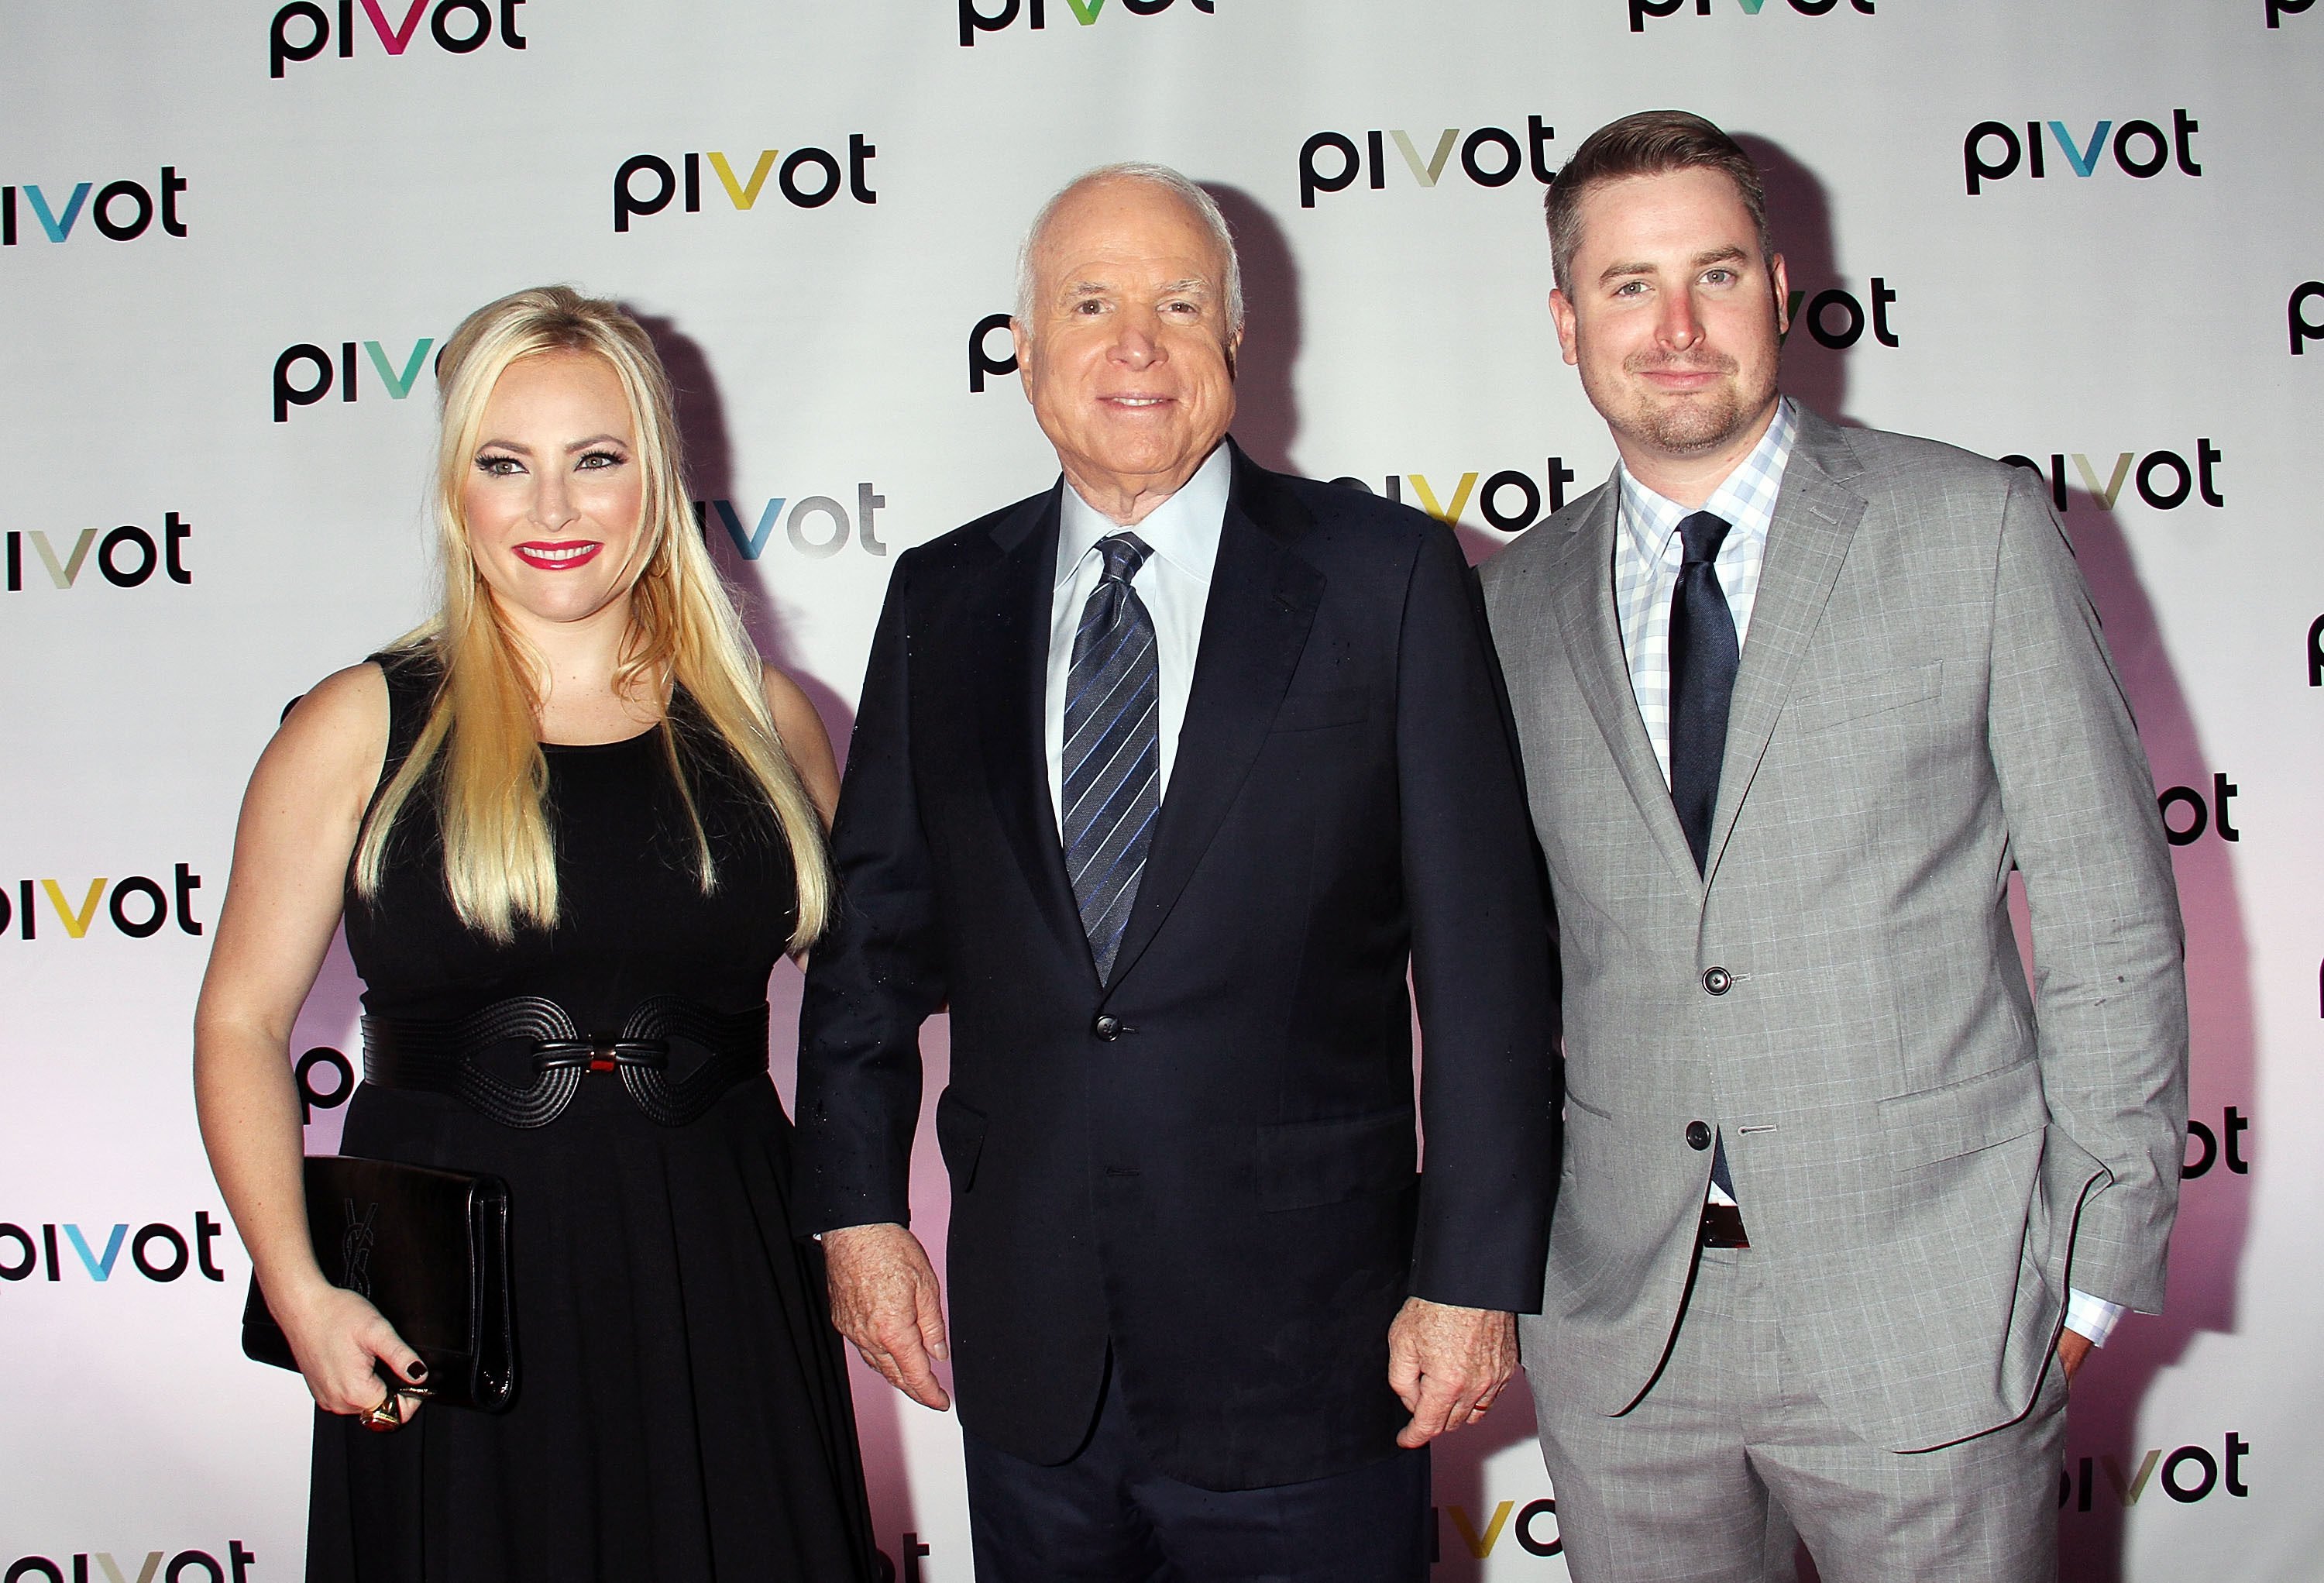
column 1114, row 745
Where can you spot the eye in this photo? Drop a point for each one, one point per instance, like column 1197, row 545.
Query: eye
column 1184, row 309
column 597, row 461
column 1088, row 307
column 1631, row 289
column 496, row 465
column 1721, row 276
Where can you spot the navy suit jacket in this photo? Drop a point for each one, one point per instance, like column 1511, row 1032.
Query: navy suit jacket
column 1207, row 1165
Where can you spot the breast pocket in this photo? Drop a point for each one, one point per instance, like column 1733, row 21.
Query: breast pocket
column 1306, row 1163
column 1319, row 711
column 1861, row 697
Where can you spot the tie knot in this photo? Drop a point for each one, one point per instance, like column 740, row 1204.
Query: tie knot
column 1702, row 535
column 1124, row 554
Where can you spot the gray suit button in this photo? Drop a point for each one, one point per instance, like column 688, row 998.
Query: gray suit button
column 1718, row 981
column 1698, row 1136
column 1108, row 1027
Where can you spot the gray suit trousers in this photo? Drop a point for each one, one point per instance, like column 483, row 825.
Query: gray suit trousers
column 1731, row 1458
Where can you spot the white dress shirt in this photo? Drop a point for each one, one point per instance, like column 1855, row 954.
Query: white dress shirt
column 1647, row 555
column 1174, row 585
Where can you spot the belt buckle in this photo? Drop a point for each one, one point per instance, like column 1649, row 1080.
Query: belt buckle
column 1722, row 1226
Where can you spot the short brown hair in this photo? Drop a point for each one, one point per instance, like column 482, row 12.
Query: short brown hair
column 1651, row 143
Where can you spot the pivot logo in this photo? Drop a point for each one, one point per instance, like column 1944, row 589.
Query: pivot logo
column 322, row 1058
column 138, row 906
column 2316, row 653
column 2139, row 149
column 122, row 211
column 2279, row 9
column 808, row 178
column 160, row 1251
column 2233, row 1125
column 1509, row 501
column 300, row 31
column 1642, row 9
column 325, row 371
column 2163, row 477
column 185, row 1567
column 126, row 557
column 981, row 360
column 2198, row 816
column 2304, row 328
column 1835, row 318
column 2186, row 1475
column 914, row 1547
column 1490, row 156
column 974, row 20
column 1479, row 1538
column 817, row 526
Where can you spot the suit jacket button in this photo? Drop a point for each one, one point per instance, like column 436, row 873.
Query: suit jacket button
column 1718, row 981
column 1698, row 1136
column 1107, row 1026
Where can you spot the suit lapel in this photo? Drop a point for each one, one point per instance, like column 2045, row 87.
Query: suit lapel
column 1583, row 598
column 1262, row 602
column 1816, row 515
column 1011, row 617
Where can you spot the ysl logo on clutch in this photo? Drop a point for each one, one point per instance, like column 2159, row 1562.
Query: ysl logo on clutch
column 355, row 1247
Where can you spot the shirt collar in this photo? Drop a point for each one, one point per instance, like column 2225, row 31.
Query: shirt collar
column 1746, row 499
column 1183, row 529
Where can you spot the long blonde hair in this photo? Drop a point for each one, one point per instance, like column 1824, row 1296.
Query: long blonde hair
column 500, row 860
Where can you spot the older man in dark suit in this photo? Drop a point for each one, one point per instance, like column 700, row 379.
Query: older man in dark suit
column 1164, row 781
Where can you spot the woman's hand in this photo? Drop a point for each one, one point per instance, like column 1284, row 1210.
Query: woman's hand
column 347, row 1350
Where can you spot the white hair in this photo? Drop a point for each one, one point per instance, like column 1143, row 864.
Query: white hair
column 1161, row 176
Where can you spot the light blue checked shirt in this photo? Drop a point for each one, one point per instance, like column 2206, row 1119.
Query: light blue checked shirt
column 1648, row 553
column 1648, row 556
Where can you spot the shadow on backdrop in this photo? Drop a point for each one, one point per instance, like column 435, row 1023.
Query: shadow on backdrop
column 2107, row 1468
column 1799, row 225
column 1266, row 403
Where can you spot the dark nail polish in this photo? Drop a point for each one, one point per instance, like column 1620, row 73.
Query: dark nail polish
column 418, row 1371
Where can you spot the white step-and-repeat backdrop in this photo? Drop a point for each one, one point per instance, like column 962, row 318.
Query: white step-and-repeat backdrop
column 2084, row 233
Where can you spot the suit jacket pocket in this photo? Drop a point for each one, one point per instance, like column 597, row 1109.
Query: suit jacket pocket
column 960, row 1136
column 1313, row 711
column 1869, row 692
column 1960, row 1118
column 1306, row 1163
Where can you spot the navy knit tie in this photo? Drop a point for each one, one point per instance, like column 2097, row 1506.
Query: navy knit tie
column 1703, row 654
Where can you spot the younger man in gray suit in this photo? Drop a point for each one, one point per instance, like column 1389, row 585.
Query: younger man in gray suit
column 1843, row 1207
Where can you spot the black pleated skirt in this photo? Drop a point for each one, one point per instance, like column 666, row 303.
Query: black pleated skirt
column 682, row 1407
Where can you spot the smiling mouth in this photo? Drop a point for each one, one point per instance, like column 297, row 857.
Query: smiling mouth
column 562, row 557
column 1136, row 403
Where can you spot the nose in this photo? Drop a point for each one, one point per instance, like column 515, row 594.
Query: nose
column 1679, row 329
column 552, row 498
column 1137, row 346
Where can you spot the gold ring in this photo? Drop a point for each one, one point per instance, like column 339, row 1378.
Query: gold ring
column 387, row 1417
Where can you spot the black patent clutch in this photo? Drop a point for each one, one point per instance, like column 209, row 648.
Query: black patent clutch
column 429, row 1249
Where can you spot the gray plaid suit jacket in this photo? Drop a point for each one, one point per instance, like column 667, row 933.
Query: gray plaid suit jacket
column 1926, row 1156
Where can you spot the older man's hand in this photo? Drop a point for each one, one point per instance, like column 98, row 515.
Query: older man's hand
column 884, row 1299
column 1447, row 1364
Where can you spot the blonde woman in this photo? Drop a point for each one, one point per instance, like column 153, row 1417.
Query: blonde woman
column 576, row 785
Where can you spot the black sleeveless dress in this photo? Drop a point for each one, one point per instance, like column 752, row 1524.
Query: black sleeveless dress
column 682, row 1408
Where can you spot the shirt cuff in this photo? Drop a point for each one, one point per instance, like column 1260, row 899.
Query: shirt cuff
column 2093, row 1318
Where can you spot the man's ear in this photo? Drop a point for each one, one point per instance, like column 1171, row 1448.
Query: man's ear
column 1233, row 348
column 1022, row 339
column 1560, row 311
column 1783, row 296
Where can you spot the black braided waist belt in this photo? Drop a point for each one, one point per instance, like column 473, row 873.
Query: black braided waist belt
column 452, row 1057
